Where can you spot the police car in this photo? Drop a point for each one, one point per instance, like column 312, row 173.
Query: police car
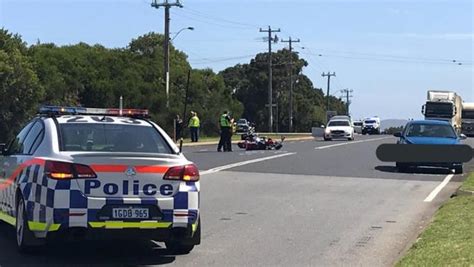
column 86, row 173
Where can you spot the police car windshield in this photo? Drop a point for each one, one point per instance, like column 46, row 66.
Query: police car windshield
column 112, row 138
column 370, row 122
column 338, row 123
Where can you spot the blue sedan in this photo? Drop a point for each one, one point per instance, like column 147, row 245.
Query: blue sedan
column 429, row 132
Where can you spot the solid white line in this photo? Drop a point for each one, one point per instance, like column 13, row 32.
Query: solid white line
column 242, row 163
column 351, row 142
column 438, row 189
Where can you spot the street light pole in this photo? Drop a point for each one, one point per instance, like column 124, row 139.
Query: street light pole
column 176, row 35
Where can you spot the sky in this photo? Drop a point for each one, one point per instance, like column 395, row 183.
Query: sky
column 388, row 52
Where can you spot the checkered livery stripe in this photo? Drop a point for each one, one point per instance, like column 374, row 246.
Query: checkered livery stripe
column 53, row 204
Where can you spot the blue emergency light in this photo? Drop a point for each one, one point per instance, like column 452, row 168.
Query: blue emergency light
column 58, row 110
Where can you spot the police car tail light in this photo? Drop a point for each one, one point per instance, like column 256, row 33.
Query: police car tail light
column 84, row 171
column 188, row 173
column 64, row 170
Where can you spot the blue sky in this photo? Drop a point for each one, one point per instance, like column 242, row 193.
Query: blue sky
column 389, row 52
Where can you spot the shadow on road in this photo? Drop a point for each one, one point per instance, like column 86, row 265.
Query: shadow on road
column 103, row 253
column 419, row 170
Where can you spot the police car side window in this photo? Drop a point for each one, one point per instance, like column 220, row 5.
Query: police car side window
column 34, row 138
column 16, row 146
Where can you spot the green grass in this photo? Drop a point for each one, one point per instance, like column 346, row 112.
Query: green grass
column 468, row 185
column 449, row 239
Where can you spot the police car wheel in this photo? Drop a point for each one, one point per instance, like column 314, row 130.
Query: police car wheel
column 177, row 247
column 25, row 239
column 185, row 246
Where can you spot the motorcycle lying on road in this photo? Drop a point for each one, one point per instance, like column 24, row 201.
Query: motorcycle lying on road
column 251, row 141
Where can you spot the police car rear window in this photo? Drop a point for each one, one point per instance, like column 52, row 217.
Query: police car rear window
column 102, row 137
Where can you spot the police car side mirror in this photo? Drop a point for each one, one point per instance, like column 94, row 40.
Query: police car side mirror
column 462, row 137
column 397, row 134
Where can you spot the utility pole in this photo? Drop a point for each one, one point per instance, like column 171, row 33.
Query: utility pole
column 166, row 45
column 329, row 84
column 270, row 88
column 347, row 92
column 290, row 42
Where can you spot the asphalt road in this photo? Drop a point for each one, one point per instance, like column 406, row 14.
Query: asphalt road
column 311, row 203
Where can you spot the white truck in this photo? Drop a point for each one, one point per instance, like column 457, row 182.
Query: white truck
column 445, row 106
column 371, row 125
column 468, row 118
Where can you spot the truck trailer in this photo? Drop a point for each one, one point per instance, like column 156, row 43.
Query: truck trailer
column 468, row 118
column 445, row 106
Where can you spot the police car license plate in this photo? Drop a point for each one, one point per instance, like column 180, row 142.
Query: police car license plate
column 130, row 213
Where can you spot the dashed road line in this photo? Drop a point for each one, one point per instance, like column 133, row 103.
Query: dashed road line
column 242, row 163
column 438, row 189
column 351, row 142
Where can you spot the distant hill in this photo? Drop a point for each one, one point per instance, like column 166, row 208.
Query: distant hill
column 384, row 124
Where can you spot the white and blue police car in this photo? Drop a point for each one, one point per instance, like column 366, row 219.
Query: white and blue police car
column 86, row 173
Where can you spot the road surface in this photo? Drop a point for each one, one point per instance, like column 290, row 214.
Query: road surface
column 311, row 203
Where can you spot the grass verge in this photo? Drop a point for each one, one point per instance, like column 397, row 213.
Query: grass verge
column 449, row 239
column 468, row 185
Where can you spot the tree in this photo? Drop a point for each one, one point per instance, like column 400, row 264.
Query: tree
column 250, row 84
column 19, row 86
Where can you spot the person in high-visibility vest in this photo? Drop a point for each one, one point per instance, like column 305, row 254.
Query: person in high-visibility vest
column 194, row 126
column 225, row 123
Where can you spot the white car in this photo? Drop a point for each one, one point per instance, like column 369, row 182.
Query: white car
column 358, row 126
column 69, row 173
column 339, row 129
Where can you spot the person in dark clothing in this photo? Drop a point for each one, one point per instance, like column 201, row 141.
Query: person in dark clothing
column 225, row 122
column 179, row 127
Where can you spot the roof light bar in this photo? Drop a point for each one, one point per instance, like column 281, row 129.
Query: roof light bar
column 57, row 110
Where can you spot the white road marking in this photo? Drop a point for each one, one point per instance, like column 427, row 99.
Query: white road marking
column 242, row 163
column 438, row 189
column 351, row 142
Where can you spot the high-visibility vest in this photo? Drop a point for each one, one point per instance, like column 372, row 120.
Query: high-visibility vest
column 194, row 121
column 224, row 121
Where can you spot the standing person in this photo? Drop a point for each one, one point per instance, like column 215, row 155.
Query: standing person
column 179, row 127
column 194, row 126
column 226, row 132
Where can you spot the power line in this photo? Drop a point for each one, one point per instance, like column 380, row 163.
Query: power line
column 212, row 60
column 382, row 55
column 211, row 17
column 392, row 59
column 210, row 22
